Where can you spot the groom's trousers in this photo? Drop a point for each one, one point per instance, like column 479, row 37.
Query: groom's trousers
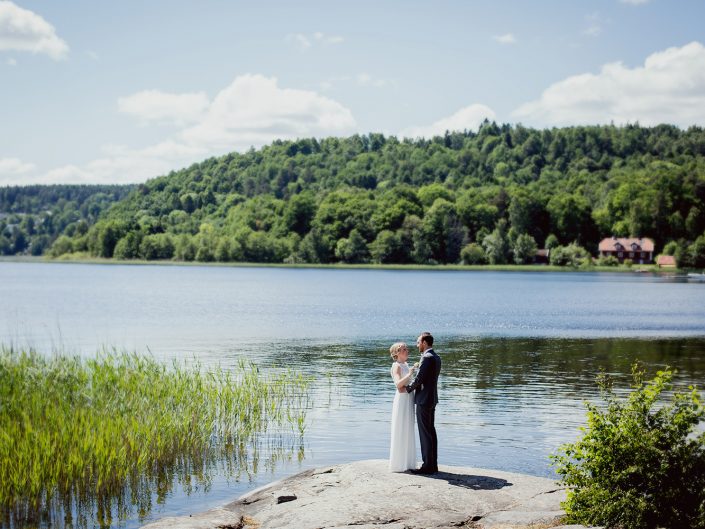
column 425, row 419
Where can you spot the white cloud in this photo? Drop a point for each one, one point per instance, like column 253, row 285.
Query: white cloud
column 507, row 38
column 300, row 40
column 328, row 39
column 305, row 42
column 14, row 166
column 668, row 88
column 254, row 110
column 595, row 23
column 634, row 2
column 11, row 62
column 24, row 30
column 163, row 107
column 468, row 118
column 124, row 165
column 365, row 79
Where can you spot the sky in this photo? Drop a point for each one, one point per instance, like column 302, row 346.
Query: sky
column 120, row 92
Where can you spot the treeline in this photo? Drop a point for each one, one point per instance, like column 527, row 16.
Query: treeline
column 491, row 196
column 32, row 217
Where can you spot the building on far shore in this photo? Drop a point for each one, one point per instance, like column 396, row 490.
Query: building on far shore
column 639, row 250
column 666, row 261
column 541, row 256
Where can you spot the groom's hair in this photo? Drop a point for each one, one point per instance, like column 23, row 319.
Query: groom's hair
column 426, row 337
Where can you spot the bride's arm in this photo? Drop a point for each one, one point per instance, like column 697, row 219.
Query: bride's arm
column 399, row 381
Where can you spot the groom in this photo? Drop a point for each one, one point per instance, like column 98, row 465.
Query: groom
column 426, row 398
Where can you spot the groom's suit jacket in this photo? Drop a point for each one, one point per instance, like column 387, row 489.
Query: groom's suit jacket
column 426, row 381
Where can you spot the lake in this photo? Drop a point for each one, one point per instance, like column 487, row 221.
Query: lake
column 520, row 350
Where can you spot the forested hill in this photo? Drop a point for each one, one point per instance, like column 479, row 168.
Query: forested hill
column 32, row 217
column 494, row 195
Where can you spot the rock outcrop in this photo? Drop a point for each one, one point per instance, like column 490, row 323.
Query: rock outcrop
column 365, row 495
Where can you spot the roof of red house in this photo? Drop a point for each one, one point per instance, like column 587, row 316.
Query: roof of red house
column 610, row 244
column 666, row 260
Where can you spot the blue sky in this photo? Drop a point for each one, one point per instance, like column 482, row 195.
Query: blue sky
column 118, row 92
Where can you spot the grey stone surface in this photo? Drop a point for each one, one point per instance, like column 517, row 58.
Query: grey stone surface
column 365, row 495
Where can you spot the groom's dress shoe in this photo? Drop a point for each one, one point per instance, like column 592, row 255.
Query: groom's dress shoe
column 423, row 471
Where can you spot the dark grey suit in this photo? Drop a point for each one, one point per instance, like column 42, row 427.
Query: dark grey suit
column 426, row 386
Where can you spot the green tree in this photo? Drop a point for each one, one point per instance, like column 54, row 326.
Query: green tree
column 443, row 231
column 524, row 249
column 129, row 246
column 640, row 463
column 428, row 195
column 385, row 248
column 353, row 249
column 496, row 244
column 185, row 248
column 62, row 245
column 552, row 242
column 571, row 255
column 315, row 247
column 473, row 254
column 157, row 246
column 696, row 252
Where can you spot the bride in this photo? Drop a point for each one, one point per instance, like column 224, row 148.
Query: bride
column 402, row 450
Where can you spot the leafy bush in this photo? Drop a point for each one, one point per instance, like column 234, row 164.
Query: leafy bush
column 473, row 254
column 609, row 260
column 524, row 249
column 641, row 461
column 571, row 255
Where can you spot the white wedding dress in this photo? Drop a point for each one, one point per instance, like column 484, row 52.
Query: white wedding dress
column 402, row 449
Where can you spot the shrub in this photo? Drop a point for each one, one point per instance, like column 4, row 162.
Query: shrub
column 524, row 249
column 641, row 461
column 571, row 255
column 61, row 246
column 473, row 254
column 609, row 260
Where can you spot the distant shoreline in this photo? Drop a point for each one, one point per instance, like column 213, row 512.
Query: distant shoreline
column 651, row 269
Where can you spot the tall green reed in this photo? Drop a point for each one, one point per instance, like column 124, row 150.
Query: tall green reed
column 84, row 440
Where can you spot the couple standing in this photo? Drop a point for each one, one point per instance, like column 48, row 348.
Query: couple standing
column 420, row 388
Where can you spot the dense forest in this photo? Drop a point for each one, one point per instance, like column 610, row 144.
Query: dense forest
column 32, row 217
column 492, row 196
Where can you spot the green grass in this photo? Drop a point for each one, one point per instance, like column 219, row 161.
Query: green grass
column 87, row 259
column 96, row 438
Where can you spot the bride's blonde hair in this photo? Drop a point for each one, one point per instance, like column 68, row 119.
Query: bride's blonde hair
column 395, row 348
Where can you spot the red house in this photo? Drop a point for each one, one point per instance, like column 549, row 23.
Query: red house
column 640, row 251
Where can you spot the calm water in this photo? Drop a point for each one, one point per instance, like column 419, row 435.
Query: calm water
column 520, row 350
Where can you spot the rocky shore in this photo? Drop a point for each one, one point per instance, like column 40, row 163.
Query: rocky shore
column 365, row 495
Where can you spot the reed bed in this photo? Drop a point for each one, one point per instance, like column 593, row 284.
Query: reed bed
column 86, row 440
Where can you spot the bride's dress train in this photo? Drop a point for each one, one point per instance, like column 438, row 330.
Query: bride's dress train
column 402, row 450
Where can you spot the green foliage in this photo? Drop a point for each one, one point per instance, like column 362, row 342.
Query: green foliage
column 571, row 255
column 105, row 433
column 696, row 252
column 609, row 260
column 473, row 254
column 497, row 245
column 38, row 215
column 353, row 249
column 295, row 200
column 524, row 249
column 640, row 462
column 552, row 242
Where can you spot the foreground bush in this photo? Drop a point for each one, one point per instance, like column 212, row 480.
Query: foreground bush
column 641, row 461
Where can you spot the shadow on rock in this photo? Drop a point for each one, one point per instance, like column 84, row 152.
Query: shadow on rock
column 469, row 481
